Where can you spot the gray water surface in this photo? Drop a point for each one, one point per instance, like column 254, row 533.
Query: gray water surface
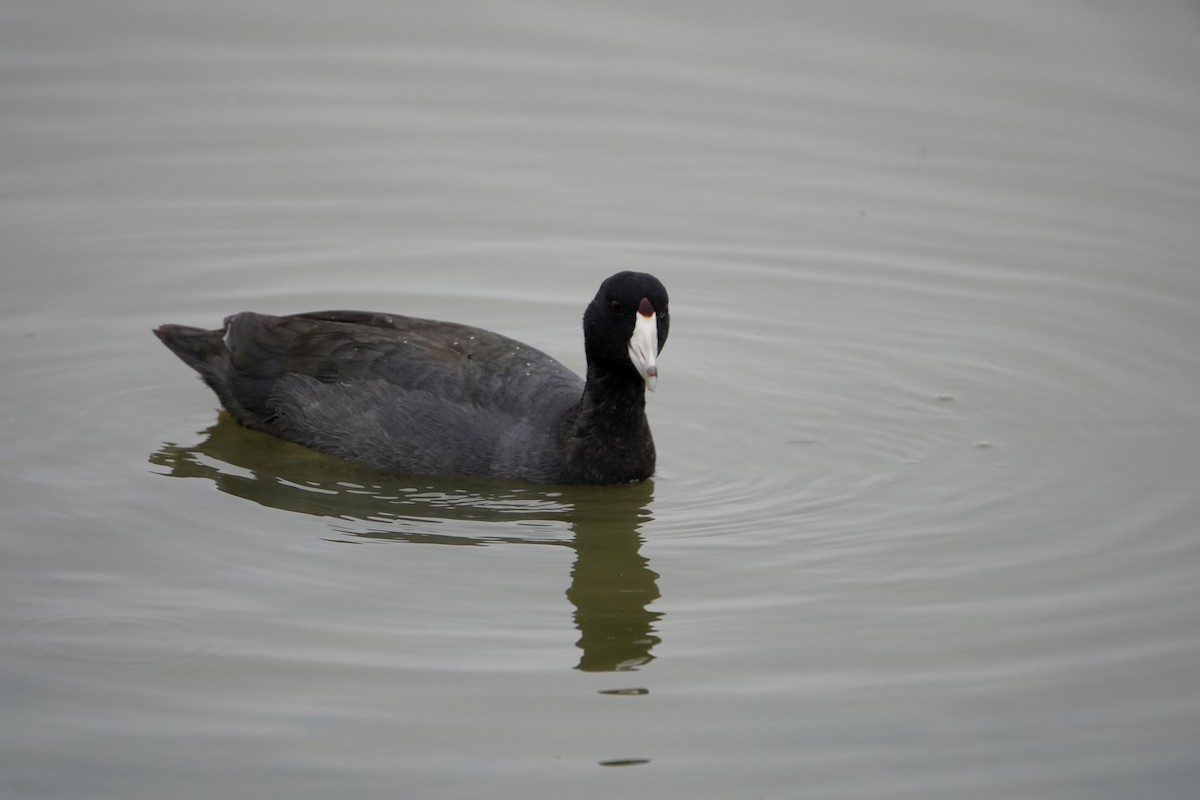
column 924, row 523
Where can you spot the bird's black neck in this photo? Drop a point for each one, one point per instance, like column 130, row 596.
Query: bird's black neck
column 611, row 433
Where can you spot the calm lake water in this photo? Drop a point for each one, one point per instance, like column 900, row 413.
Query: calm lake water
column 925, row 520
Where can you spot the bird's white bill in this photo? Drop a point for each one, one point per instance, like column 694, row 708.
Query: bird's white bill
column 643, row 348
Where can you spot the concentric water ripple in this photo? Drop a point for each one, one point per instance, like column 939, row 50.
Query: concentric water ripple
column 916, row 433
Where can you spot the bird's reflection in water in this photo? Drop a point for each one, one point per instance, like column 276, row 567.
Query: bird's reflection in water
column 612, row 585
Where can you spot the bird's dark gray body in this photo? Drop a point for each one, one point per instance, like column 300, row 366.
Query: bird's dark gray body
column 418, row 395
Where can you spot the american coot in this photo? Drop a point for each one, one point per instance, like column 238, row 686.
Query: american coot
column 416, row 395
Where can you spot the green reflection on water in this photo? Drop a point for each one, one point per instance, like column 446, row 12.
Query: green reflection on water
column 612, row 585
